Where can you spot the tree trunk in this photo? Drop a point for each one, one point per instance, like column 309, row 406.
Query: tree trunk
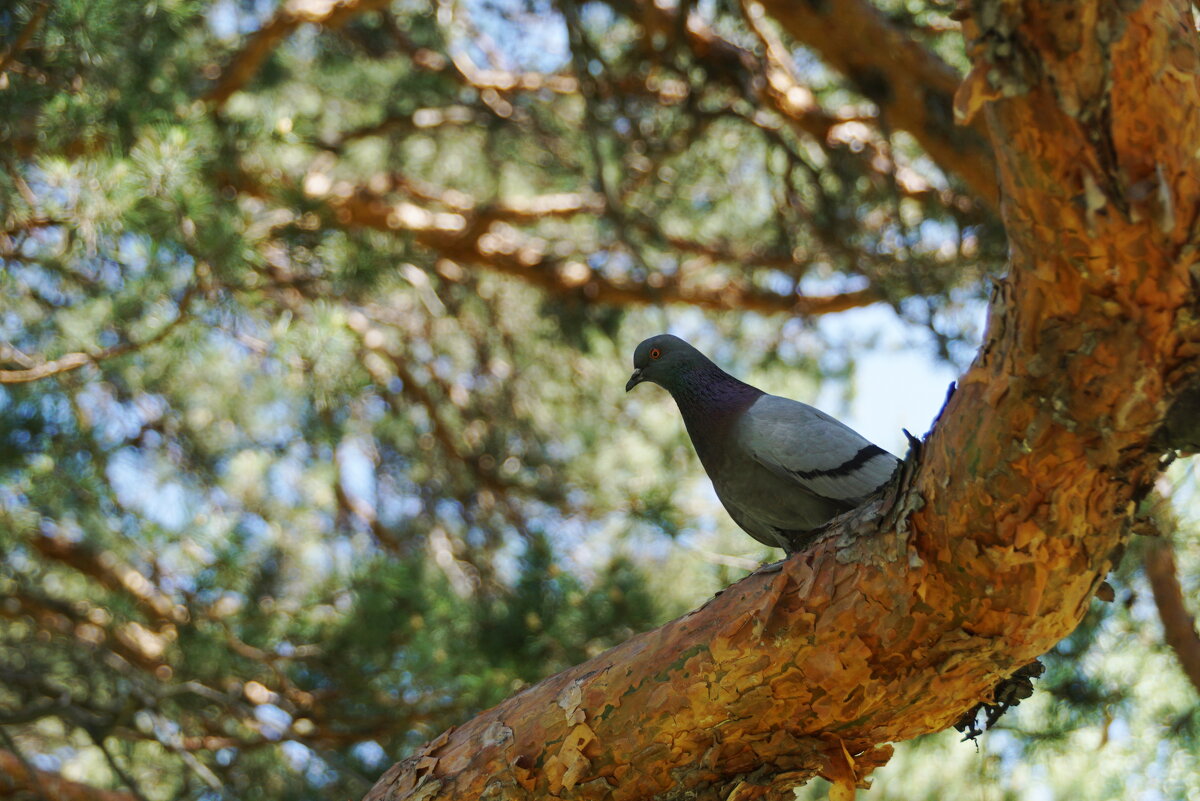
column 908, row 611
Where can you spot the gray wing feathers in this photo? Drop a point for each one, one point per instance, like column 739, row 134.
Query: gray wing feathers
column 819, row 452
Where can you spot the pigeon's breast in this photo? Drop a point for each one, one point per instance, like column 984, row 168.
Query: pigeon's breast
column 758, row 499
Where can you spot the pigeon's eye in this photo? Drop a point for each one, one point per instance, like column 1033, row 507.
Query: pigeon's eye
column 655, row 353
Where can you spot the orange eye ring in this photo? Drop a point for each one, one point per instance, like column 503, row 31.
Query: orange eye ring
column 655, row 353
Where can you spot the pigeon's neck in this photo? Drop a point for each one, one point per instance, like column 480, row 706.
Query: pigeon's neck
column 710, row 401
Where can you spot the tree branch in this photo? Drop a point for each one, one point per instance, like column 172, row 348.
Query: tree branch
column 44, row 784
column 27, row 32
column 987, row 549
column 131, row 642
column 64, row 364
column 485, row 239
column 420, row 120
column 98, row 739
column 112, row 574
column 73, row 361
column 772, row 81
column 460, row 67
column 1179, row 627
column 913, row 88
column 293, row 14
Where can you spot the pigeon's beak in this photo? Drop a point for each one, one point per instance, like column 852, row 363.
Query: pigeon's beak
column 634, row 380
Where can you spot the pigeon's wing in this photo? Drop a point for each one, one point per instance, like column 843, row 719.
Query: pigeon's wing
column 820, row 453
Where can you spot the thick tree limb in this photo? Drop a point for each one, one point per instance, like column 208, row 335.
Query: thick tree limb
column 902, row 616
column 1179, row 627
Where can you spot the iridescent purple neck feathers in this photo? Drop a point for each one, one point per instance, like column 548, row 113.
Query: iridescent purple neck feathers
column 710, row 401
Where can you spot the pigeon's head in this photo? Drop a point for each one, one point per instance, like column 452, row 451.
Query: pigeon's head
column 664, row 360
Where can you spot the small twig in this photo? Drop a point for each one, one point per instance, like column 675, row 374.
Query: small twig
column 22, row 187
column 193, row 764
column 124, row 776
column 73, row 361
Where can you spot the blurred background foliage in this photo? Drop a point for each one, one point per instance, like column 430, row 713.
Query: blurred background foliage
column 314, row 322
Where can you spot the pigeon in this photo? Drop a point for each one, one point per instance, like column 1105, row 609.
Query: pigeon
column 781, row 468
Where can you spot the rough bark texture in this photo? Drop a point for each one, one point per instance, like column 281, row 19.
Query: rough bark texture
column 906, row 613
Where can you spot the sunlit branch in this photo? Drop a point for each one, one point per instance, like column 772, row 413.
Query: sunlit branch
column 422, row 119
column 111, row 574
column 73, row 361
column 773, row 82
column 134, row 644
column 909, row 83
column 475, row 239
column 526, row 209
column 459, row 66
column 506, row 81
column 293, row 14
